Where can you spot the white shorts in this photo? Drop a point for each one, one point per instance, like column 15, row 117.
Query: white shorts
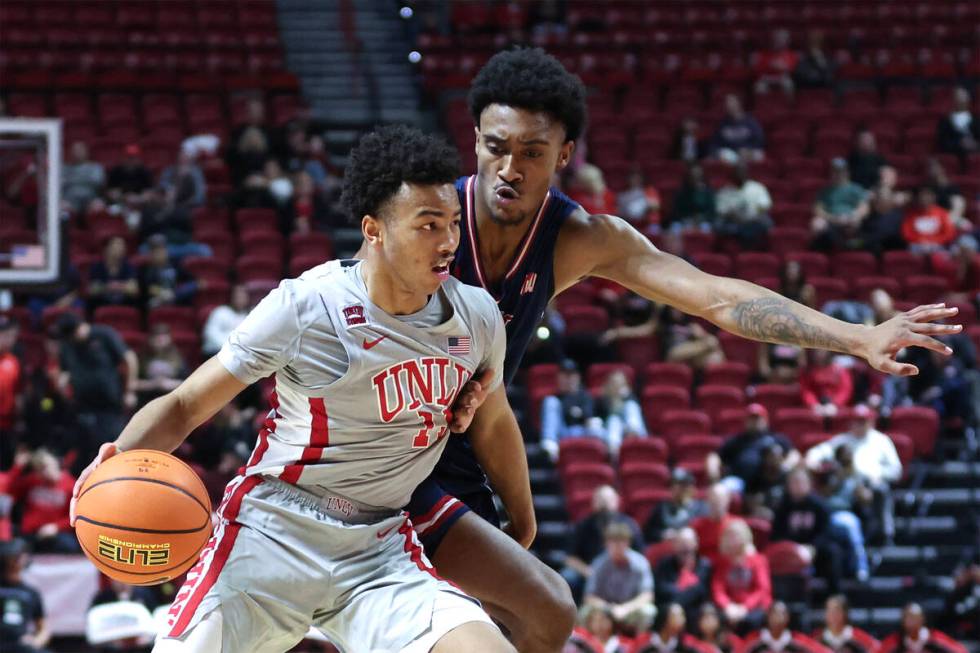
column 279, row 562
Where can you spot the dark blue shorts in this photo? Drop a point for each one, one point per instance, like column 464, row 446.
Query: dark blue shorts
column 433, row 511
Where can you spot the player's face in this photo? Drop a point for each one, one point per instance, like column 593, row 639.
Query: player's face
column 419, row 234
column 517, row 152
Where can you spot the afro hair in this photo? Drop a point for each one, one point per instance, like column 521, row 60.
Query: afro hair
column 388, row 157
column 531, row 79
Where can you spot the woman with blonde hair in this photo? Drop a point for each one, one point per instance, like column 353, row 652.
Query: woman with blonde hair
column 741, row 585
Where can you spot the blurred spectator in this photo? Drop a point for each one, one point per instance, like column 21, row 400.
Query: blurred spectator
column 81, row 178
column 683, row 577
column 710, row 632
column 793, row 284
column 780, row 363
column 596, row 632
column 849, row 310
column 743, row 208
column 913, row 635
column 875, row 456
column 640, row 202
column 958, row 131
column 547, row 18
column 948, row 194
column 619, row 412
column 884, row 224
column 815, row 69
column 927, row 226
column 587, row 536
column 112, row 281
column 740, row 459
column 621, row 580
column 570, row 413
column 826, row 386
column 684, row 340
column 961, row 266
column 840, row 210
column 21, row 190
column 738, row 135
column 775, row 66
column 838, row 634
column 162, row 368
column 223, row 320
column 164, row 282
column 694, row 202
column 300, row 155
column 250, row 144
column 233, row 430
column 710, row 526
column 741, row 585
column 589, row 189
column 803, row 517
column 43, row 489
column 48, row 413
column 668, row 634
column 777, row 636
column 688, row 145
column 308, row 209
column 637, row 317
column 90, row 357
column 851, row 501
column 961, row 615
column 182, row 188
column 667, row 517
column 11, row 381
column 22, row 624
column 882, row 305
column 865, row 161
column 129, row 180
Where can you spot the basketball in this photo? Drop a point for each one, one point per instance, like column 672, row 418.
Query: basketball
column 143, row 517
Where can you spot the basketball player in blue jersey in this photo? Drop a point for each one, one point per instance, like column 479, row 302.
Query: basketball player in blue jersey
column 525, row 242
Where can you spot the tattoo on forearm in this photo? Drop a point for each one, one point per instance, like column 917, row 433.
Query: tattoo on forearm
column 772, row 319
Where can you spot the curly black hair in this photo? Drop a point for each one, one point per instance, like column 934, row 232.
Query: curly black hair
column 389, row 156
column 531, row 79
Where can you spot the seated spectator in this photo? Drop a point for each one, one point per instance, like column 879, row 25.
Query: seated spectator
column 913, row 635
column 851, row 502
column 777, row 636
column 865, row 161
column 838, row 634
column 668, row 517
column 308, row 209
column 81, row 179
column 884, row 224
column 112, row 281
column 162, row 368
column 875, row 457
column 710, row 526
column 803, row 517
column 589, row 189
column 619, row 412
column 743, row 210
column 774, row 67
column 12, row 379
column 595, row 632
column 738, row 135
column 43, row 489
column 961, row 266
column 687, row 142
column 223, row 320
column 587, row 536
column 23, row 628
column 668, row 634
column 826, row 386
column 684, row 340
column 849, row 310
column 640, row 202
column 182, row 188
column 840, row 210
column 694, row 202
column 793, row 284
column 621, row 580
column 250, row 143
column 636, row 316
column 683, row 577
column 961, row 615
column 164, row 282
column 815, row 69
column 927, row 226
column 958, row 131
column 948, row 194
column 741, row 585
column 129, row 180
column 119, row 591
column 570, row 413
column 710, row 632
column 738, row 464
column 780, row 363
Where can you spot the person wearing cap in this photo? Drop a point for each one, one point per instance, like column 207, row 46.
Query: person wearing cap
column 875, row 456
column 684, row 576
column 676, row 512
column 81, row 178
column 568, row 413
column 130, row 179
column 738, row 464
column 622, row 581
column 840, row 209
column 22, row 623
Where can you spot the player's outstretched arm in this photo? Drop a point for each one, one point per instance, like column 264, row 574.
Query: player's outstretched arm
column 608, row 247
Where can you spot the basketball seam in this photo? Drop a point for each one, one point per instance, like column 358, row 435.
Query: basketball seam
column 145, row 573
column 146, row 480
column 154, row 531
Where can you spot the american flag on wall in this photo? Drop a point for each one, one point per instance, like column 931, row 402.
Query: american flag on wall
column 459, row 345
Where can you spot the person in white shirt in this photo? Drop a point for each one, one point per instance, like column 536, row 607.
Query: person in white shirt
column 743, row 206
column 224, row 319
column 875, row 456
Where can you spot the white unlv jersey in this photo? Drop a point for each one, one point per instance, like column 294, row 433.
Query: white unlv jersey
column 367, row 422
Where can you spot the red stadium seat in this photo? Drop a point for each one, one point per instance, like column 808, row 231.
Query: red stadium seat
column 753, row 265
column 639, row 504
column 206, row 267
column 120, row 318
column 719, row 264
column 784, row 240
column 582, row 477
column 180, row 319
column 597, row 374
column 258, row 268
column 674, row 423
column 813, row 264
column 638, row 352
column 585, row 319
column 657, row 399
column 657, row 551
column 300, row 264
column 312, row 244
column 851, row 265
column 732, row 373
column 257, row 219
column 581, row 450
column 862, row 287
column 643, row 450
column 925, row 289
column 730, row 422
column 901, row 264
column 715, row 398
column 904, row 446
column 674, row 374
column 638, row 476
column 774, row 396
column 786, row 559
column 828, row 288
column 739, row 349
column 808, row 441
column 796, row 422
column 689, row 448
column 265, row 244
column 920, row 424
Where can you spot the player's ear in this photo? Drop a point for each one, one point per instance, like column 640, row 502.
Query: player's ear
column 371, row 229
column 476, row 142
column 565, row 155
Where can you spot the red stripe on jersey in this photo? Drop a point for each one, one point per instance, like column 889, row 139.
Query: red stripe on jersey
column 319, row 440
column 268, row 427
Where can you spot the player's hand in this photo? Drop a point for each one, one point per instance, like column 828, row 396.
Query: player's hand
column 106, row 451
column 471, row 397
column 913, row 328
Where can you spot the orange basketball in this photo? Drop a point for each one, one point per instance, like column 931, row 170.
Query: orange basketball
column 143, row 517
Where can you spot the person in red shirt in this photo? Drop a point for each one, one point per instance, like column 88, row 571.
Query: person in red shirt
column 825, row 386
column 927, row 226
column 914, row 637
column 777, row 637
column 591, row 192
column 10, row 381
column 710, row 527
column 839, row 635
column 775, row 66
column 45, row 491
column 741, row 585
column 668, row 634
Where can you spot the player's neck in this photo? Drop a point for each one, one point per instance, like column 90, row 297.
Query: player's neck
column 498, row 241
column 387, row 292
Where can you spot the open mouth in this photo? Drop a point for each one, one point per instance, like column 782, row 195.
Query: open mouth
column 442, row 269
column 506, row 193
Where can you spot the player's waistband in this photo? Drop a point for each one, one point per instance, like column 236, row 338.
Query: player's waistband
column 333, row 505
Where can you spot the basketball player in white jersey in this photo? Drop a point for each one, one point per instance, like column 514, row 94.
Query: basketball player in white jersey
column 369, row 356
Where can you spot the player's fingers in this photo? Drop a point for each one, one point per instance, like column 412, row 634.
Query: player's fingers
column 933, row 329
column 933, row 314
column 923, row 307
column 917, row 340
column 71, row 510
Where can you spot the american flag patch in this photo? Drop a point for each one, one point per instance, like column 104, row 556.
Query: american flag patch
column 459, row 345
